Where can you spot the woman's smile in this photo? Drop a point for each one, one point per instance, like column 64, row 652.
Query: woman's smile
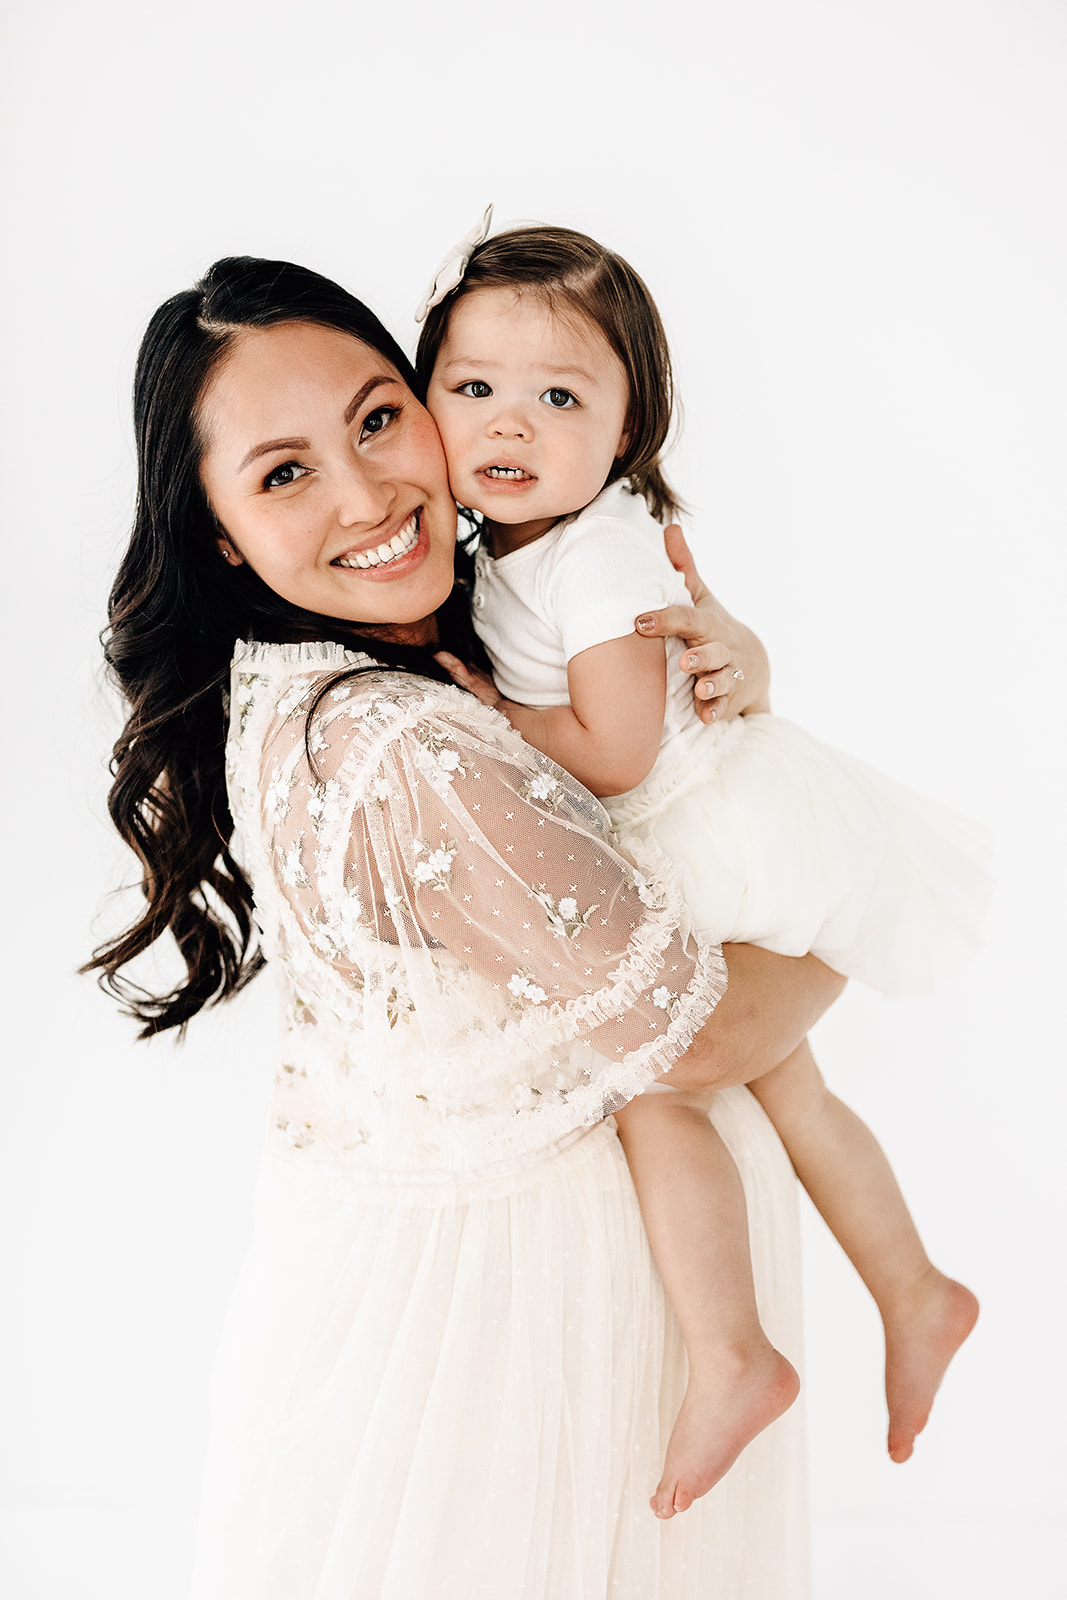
column 328, row 478
column 390, row 552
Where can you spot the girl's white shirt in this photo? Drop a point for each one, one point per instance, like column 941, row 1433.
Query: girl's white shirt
column 779, row 839
column 581, row 584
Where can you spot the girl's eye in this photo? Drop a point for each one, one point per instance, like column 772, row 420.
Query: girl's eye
column 378, row 420
column 287, row 473
column 476, row 389
column 559, row 399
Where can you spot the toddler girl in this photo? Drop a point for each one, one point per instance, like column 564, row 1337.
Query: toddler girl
column 548, row 374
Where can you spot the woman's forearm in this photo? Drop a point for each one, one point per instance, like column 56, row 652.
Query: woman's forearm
column 771, row 1002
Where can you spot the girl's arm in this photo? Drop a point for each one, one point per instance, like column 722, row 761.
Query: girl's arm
column 609, row 735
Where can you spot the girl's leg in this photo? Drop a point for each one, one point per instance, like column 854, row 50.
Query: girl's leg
column 842, row 1166
column 694, row 1210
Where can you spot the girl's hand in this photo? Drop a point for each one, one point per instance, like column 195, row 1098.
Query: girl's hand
column 730, row 664
column 476, row 682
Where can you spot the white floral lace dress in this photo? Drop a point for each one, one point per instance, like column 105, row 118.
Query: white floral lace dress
column 448, row 1370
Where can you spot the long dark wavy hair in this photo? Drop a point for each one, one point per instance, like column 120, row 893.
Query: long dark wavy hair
column 175, row 612
column 575, row 276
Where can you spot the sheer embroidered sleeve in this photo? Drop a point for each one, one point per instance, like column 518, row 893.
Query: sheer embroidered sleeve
column 473, row 912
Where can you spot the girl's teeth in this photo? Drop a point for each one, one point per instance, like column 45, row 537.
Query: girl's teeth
column 504, row 472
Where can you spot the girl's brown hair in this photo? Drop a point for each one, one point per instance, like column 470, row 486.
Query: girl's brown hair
column 579, row 278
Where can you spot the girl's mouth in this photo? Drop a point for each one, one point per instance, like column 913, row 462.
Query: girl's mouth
column 502, row 475
column 382, row 555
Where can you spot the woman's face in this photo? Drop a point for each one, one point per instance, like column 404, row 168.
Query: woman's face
column 329, row 479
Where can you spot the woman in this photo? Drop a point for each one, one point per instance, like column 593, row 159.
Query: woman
column 448, row 1361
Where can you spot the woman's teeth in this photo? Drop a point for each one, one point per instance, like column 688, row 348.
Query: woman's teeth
column 398, row 545
column 505, row 472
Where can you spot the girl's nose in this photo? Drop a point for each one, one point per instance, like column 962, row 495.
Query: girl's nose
column 510, row 422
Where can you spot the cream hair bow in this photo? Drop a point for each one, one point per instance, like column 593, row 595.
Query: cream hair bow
column 450, row 272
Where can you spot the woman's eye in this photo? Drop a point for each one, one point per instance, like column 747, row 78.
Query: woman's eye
column 476, row 389
column 559, row 399
column 287, row 473
column 378, row 420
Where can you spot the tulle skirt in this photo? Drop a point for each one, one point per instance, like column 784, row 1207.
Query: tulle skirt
column 442, row 1389
column 782, row 841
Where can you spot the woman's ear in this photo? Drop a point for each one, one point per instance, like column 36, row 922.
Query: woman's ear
column 229, row 554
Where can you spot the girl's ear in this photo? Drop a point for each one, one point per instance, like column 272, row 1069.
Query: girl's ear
column 624, row 440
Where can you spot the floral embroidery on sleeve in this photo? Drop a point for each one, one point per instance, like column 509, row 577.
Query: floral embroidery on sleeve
column 434, row 866
column 544, row 787
column 564, row 918
column 523, row 987
column 244, row 696
column 276, row 797
column 650, row 892
column 324, row 803
column 446, row 756
column 293, row 699
column 292, row 866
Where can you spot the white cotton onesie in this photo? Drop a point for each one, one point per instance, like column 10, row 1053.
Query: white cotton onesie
column 780, row 840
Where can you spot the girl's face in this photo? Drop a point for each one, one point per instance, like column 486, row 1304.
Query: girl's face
column 531, row 409
column 328, row 478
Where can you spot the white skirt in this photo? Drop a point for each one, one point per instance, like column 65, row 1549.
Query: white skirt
column 441, row 1391
column 782, row 841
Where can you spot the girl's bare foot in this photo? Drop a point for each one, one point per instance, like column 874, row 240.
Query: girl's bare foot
column 723, row 1410
column 920, row 1340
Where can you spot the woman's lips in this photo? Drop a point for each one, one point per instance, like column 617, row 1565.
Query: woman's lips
column 387, row 552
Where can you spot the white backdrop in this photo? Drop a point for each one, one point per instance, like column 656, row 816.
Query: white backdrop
column 852, row 215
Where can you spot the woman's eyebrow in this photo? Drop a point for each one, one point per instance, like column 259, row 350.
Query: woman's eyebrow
column 352, row 408
column 269, row 446
column 366, row 389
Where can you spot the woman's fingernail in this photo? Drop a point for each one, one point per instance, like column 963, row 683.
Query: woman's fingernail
column 690, row 663
column 646, row 623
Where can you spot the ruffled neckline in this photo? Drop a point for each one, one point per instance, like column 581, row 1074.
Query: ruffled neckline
column 310, row 654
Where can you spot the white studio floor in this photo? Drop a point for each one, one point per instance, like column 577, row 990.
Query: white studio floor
column 126, row 1556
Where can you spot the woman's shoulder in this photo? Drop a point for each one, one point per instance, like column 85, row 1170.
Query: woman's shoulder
column 290, row 676
column 332, row 703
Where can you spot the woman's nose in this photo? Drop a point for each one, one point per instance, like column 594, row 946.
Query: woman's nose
column 363, row 497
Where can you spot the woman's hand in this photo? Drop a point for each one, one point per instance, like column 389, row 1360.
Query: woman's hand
column 473, row 679
column 730, row 664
